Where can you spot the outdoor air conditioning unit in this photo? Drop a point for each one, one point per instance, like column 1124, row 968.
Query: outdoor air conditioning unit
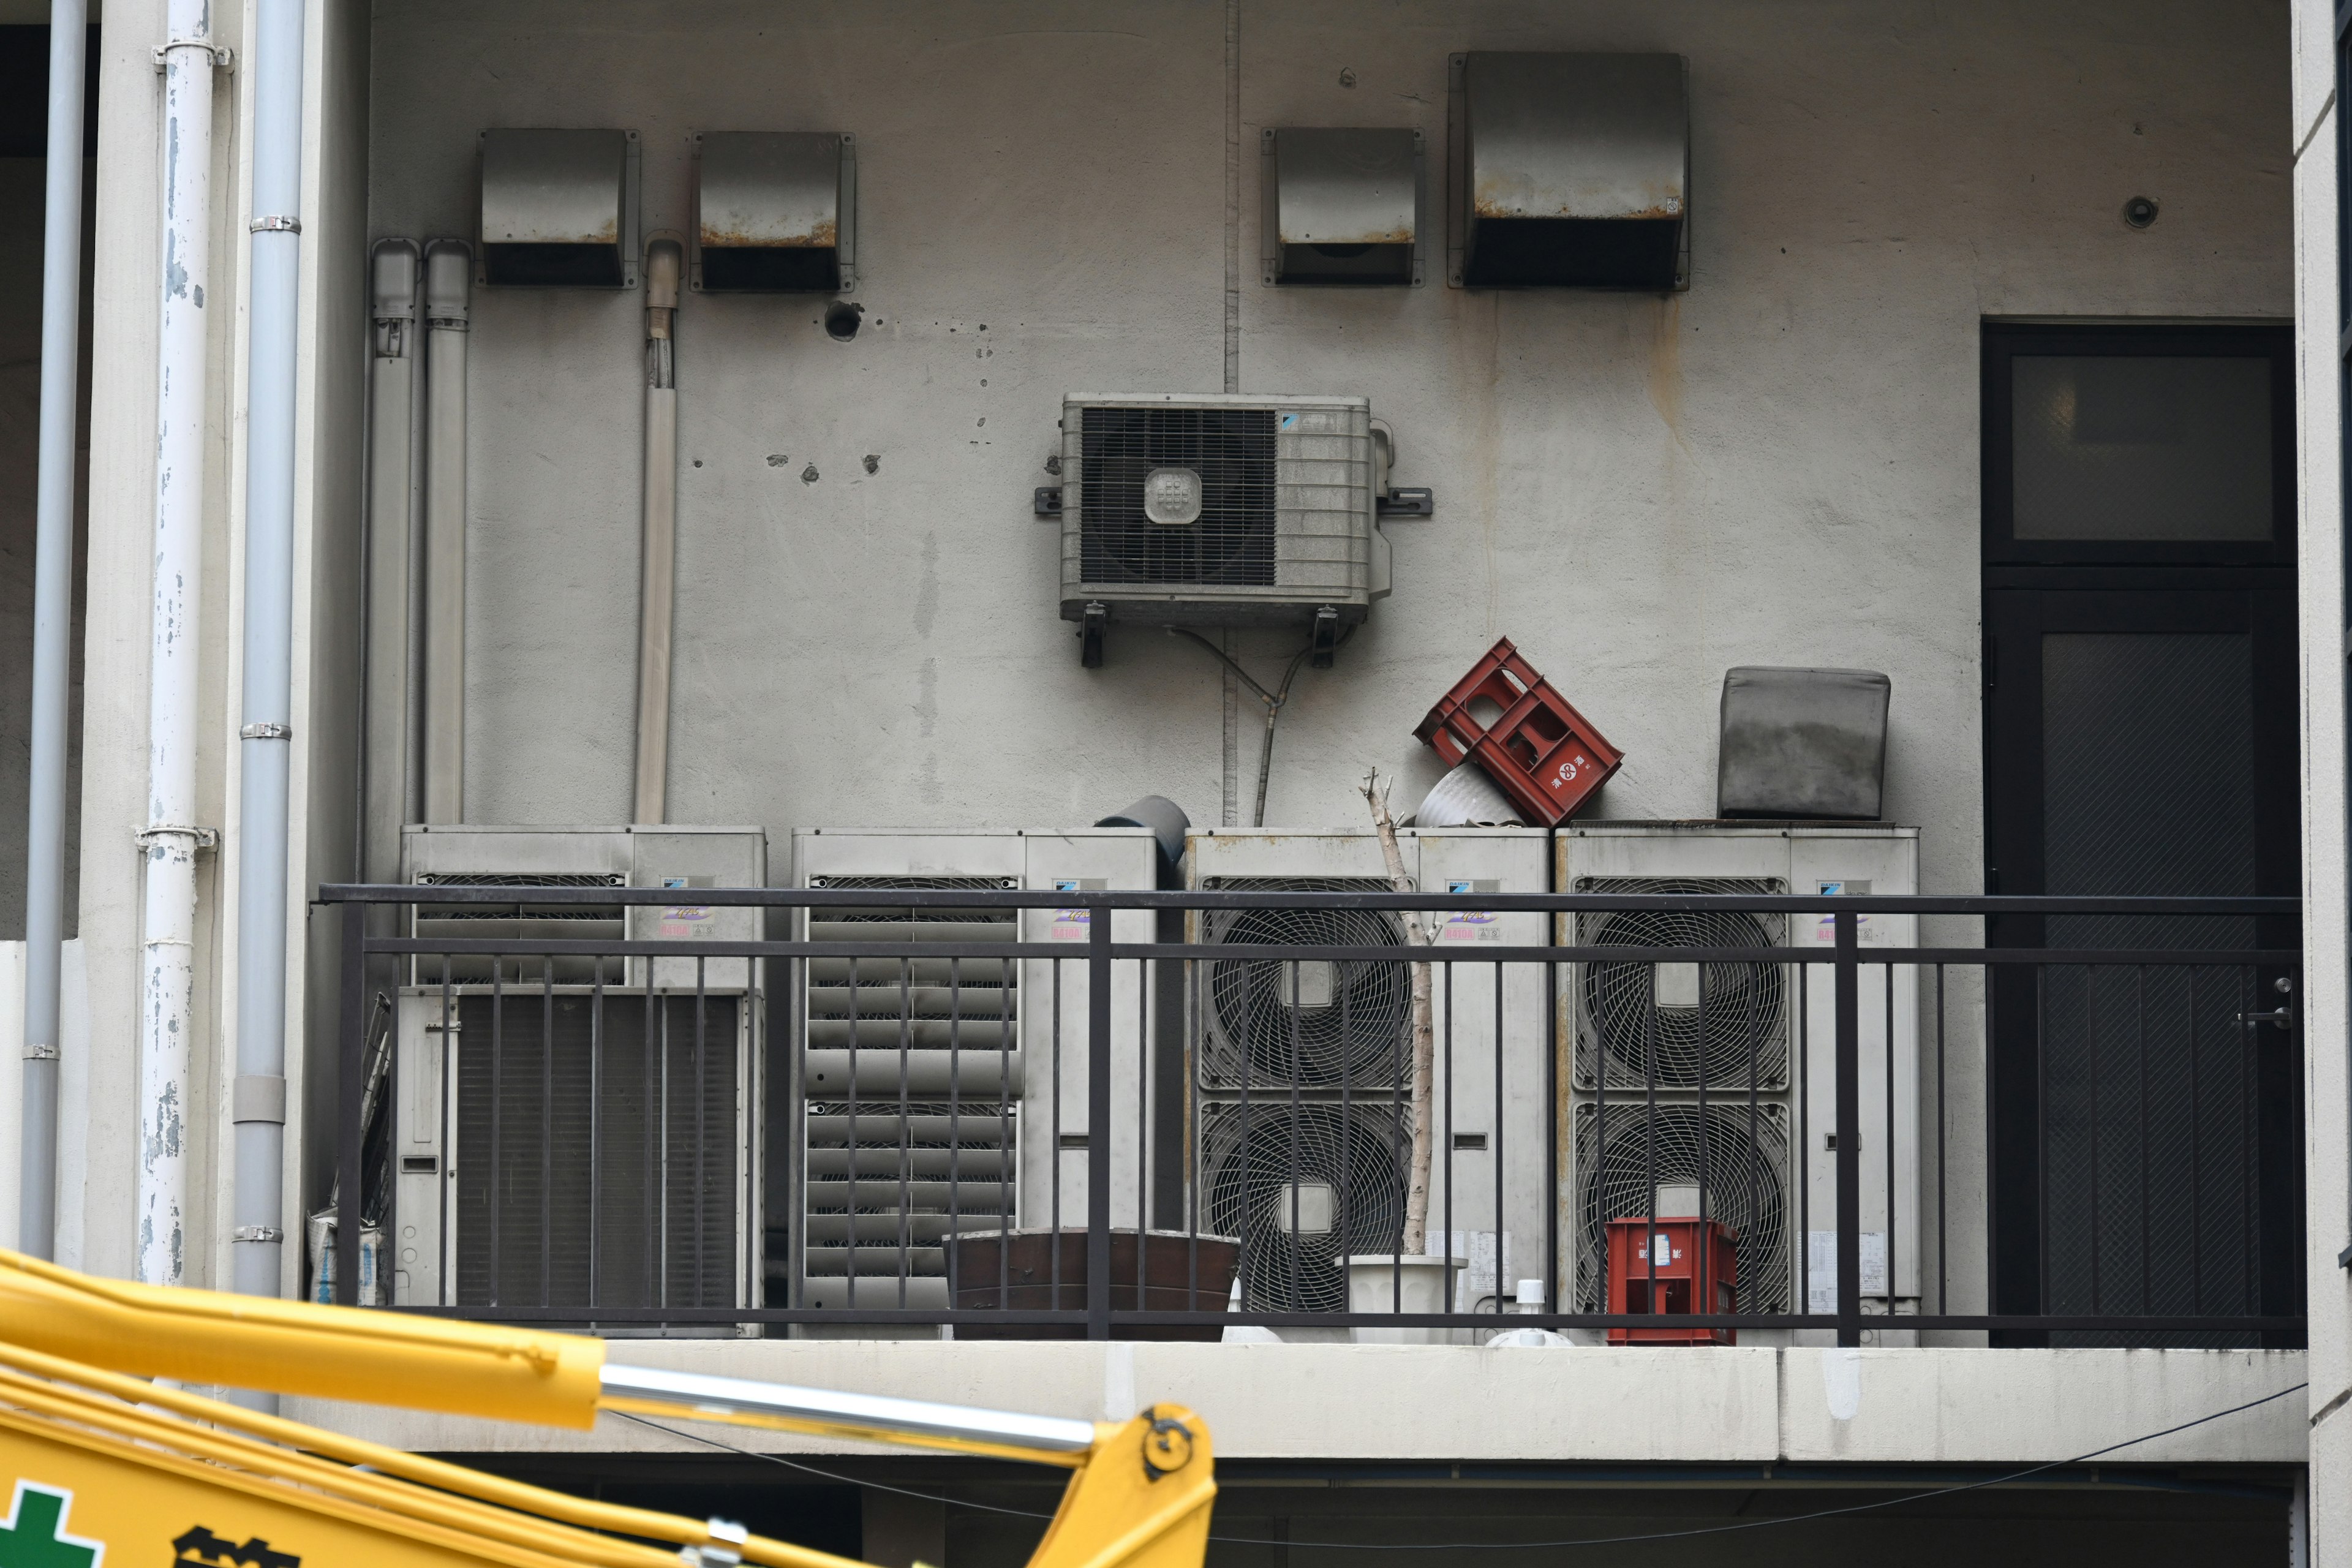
column 1221, row 510
column 934, row 1096
column 579, row 1132
column 1745, row 1082
column 1302, row 1089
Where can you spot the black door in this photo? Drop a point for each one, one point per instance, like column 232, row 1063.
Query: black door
column 2141, row 728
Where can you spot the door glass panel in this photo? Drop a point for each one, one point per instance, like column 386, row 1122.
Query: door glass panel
column 2141, row 447
column 2148, row 789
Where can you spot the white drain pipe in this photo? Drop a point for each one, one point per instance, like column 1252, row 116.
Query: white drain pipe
column 448, row 297
column 167, row 976
column 45, row 835
column 257, row 1198
column 658, row 573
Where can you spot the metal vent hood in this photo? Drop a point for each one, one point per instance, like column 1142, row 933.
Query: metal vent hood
column 775, row 213
column 1341, row 205
column 1570, row 171
column 559, row 208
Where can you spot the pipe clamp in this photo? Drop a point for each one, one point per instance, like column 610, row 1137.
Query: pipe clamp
column 275, row 225
column 205, row 837
column 223, row 56
column 40, row 1053
column 266, row 732
column 267, row 1234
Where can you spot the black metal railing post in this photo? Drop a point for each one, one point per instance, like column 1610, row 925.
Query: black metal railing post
column 1098, row 1122
column 351, row 1098
column 1848, row 1046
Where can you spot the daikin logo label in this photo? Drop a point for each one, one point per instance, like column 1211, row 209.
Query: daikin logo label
column 34, row 1535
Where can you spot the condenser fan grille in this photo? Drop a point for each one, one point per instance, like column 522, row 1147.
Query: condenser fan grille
column 1645, row 1020
column 1315, row 1024
column 1746, row 1187
column 1304, row 1187
column 1230, row 452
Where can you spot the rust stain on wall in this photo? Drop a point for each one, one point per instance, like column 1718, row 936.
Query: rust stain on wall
column 1666, row 364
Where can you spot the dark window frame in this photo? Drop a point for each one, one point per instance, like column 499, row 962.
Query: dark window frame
column 2006, row 340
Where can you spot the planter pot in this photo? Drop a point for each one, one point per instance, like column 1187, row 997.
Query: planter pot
column 1390, row 1284
column 996, row 1270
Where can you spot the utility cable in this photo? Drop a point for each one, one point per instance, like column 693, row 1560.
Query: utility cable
column 1516, row 1545
column 1272, row 700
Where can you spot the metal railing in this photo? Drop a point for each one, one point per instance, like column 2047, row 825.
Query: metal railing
column 1019, row 1113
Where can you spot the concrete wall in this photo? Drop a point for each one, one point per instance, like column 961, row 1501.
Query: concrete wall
column 1358, row 1403
column 1779, row 466
column 2328, row 879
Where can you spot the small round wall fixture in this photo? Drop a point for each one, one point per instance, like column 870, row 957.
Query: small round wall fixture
column 841, row 320
column 2140, row 211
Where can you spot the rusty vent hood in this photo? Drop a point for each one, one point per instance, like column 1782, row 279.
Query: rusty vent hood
column 776, row 212
column 559, row 208
column 1571, row 171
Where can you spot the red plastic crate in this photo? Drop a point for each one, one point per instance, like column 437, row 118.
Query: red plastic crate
column 1543, row 753
column 1685, row 1261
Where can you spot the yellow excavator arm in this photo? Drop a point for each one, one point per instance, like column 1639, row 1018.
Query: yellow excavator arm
column 111, row 1470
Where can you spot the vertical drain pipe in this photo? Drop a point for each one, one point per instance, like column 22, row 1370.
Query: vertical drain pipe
column 391, row 757
column 658, row 571
column 448, row 297
column 45, row 835
column 257, row 1099
column 167, row 970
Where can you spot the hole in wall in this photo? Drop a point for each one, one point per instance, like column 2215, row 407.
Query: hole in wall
column 841, row 320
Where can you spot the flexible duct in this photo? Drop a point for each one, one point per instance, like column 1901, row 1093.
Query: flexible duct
column 448, row 292
column 257, row 1102
column 389, row 792
column 167, row 974
column 45, row 835
column 658, row 573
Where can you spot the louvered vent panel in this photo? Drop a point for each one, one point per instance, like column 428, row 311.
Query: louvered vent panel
column 1233, row 452
column 1724, row 1023
column 591, row 1171
column 517, row 922
column 932, row 1044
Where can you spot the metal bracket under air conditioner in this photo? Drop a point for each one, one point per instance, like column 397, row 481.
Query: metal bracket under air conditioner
column 1323, row 642
column 1092, row 627
column 1405, row 501
column 1047, row 501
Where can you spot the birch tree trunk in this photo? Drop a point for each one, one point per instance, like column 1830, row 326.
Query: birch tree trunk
column 1424, row 1042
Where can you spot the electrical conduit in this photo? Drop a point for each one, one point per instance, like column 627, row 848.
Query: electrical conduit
column 658, row 571
column 448, row 298
column 258, row 1201
column 386, row 787
column 167, row 975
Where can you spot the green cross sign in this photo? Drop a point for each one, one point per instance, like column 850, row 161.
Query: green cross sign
column 35, row 1534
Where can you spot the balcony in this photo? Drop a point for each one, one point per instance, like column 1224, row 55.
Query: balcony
column 1699, row 1119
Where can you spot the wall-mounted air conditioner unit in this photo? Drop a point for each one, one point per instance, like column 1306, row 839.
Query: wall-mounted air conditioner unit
column 1746, row 1080
column 1302, row 1084
column 575, row 1133
column 933, row 1096
column 1218, row 509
